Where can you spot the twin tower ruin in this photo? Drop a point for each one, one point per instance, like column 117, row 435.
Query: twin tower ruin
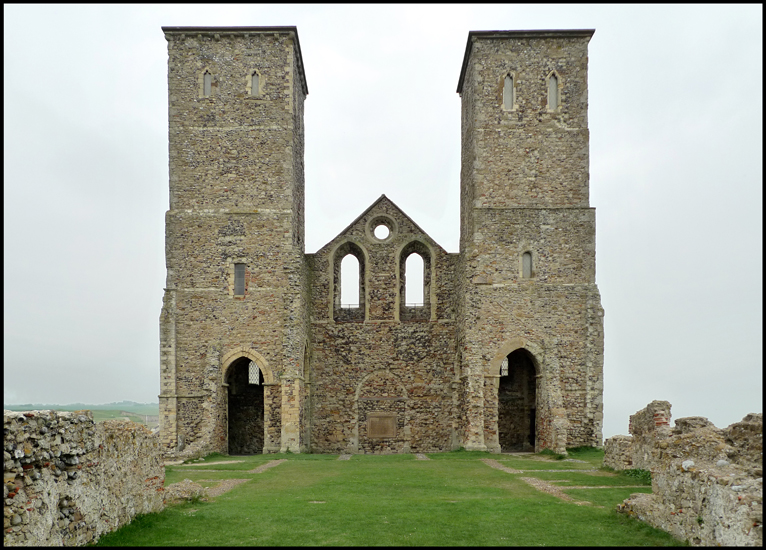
column 258, row 354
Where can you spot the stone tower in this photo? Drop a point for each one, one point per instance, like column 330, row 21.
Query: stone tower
column 530, row 326
column 259, row 353
column 233, row 323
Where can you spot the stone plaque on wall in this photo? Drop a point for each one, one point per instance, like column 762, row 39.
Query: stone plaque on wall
column 381, row 425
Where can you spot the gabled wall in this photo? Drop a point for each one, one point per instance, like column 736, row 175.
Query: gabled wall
column 385, row 361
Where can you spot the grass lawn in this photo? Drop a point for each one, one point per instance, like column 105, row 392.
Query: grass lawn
column 370, row 500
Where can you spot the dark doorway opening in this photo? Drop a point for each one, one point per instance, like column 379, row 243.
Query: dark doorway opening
column 245, row 408
column 516, row 403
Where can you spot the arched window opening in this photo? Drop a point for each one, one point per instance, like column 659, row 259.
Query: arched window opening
column 508, row 98
column 207, row 84
column 415, row 282
column 526, row 265
column 413, row 287
column 349, row 282
column 255, row 83
column 553, row 92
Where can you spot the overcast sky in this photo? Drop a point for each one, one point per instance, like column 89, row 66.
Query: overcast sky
column 675, row 116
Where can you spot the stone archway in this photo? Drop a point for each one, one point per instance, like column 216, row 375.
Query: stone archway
column 517, row 403
column 245, row 408
column 250, row 408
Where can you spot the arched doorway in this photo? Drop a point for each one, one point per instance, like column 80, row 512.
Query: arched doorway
column 517, row 403
column 245, row 390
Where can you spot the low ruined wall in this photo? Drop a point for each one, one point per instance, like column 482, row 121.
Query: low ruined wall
column 69, row 480
column 617, row 452
column 707, row 483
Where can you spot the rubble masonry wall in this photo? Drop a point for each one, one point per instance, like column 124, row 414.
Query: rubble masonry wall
column 707, row 483
column 69, row 480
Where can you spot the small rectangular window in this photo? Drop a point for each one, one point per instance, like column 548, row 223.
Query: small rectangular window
column 254, row 85
column 239, row 279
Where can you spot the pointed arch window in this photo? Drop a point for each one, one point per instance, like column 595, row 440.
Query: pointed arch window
column 509, row 97
column 413, row 289
column 349, row 277
column 553, row 92
column 349, row 267
column 415, row 282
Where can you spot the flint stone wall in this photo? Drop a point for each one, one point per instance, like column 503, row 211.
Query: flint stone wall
column 69, row 480
column 707, row 483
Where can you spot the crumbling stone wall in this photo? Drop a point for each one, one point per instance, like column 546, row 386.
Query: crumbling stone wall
column 707, row 483
column 68, row 480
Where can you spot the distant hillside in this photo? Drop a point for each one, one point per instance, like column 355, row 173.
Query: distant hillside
column 128, row 406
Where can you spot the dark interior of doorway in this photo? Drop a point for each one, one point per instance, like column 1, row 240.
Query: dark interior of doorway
column 245, row 411
column 516, row 404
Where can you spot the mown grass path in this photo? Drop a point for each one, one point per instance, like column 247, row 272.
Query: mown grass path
column 450, row 499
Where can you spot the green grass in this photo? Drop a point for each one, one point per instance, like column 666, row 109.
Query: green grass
column 100, row 416
column 452, row 500
column 643, row 476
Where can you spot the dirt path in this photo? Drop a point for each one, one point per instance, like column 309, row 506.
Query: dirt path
column 212, row 463
column 497, row 466
column 264, row 467
column 224, row 487
column 546, row 487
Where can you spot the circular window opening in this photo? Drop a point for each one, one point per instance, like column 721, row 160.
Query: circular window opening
column 381, row 232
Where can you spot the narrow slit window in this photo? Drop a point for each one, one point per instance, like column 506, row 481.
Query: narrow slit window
column 508, row 92
column 207, row 84
column 504, row 367
column 239, row 279
column 254, row 85
column 553, row 92
column 526, row 265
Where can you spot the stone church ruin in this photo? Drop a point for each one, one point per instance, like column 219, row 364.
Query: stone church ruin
column 259, row 355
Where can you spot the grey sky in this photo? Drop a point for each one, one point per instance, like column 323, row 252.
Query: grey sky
column 675, row 116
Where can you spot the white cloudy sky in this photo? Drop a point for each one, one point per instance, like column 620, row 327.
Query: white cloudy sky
column 676, row 177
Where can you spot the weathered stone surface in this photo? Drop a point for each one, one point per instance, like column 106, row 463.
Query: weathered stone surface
column 383, row 376
column 707, row 484
column 76, row 480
